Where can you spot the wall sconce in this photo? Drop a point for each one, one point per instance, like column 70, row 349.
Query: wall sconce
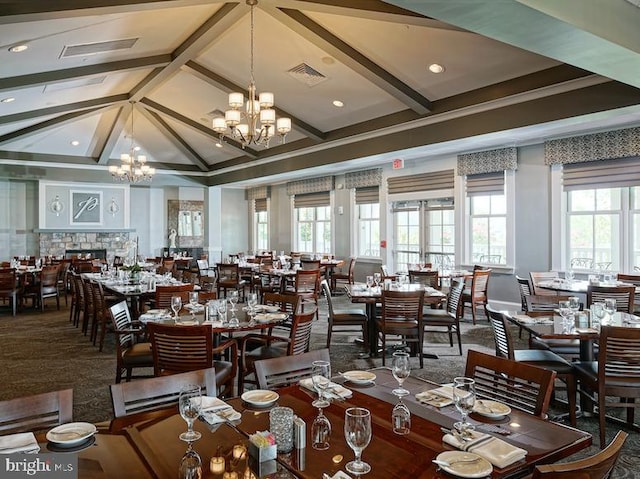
column 56, row 206
column 113, row 207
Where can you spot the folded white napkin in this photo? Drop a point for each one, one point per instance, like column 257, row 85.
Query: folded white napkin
column 341, row 475
column 433, row 398
column 20, row 442
column 333, row 391
column 498, row 452
column 214, row 410
column 444, row 391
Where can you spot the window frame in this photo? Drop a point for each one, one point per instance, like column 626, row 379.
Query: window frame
column 294, row 222
column 358, row 223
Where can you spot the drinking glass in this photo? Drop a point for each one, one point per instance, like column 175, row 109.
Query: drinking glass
column 252, row 302
column 222, row 310
column 401, row 370
column 377, row 277
column 233, row 299
column 568, row 275
column 281, row 426
column 320, row 432
column 357, row 432
column 190, row 465
column 564, row 307
column 189, row 403
column 193, row 301
column 176, row 306
column 401, row 419
column 369, row 281
column 574, row 304
column 321, row 377
column 598, row 314
column 464, row 397
column 610, row 307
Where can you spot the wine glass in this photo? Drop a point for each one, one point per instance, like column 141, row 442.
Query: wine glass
column 320, row 432
column 252, row 302
column 176, row 306
column 564, row 307
column 233, row 299
column 321, row 377
column 610, row 307
column 377, row 278
column 401, row 418
column 568, row 275
column 193, row 302
column 464, row 398
column 222, row 310
column 598, row 312
column 357, row 432
column 190, row 403
column 574, row 304
column 190, row 465
column 369, row 281
column 401, row 370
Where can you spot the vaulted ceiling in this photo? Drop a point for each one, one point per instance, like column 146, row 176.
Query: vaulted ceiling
column 516, row 71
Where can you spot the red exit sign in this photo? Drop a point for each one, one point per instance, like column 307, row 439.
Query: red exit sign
column 398, row 164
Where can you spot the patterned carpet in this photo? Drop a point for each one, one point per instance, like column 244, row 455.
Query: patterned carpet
column 44, row 352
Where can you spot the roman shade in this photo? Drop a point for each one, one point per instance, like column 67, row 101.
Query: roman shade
column 437, row 180
column 367, row 195
column 601, row 174
column 312, row 200
column 485, row 184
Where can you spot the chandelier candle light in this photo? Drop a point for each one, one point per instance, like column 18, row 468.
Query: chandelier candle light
column 134, row 167
column 261, row 123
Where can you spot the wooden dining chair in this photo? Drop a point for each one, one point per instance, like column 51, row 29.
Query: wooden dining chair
column 539, row 276
column 229, row 278
column 164, row 293
column 158, row 392
column 429, row 279
column 307, row 286
column 401, row 315
column 338, row 318
column 178, row 349
column 449, row 317
column 272, row 346
column 525, row 289
column 9, row 287
column 274, row 373
column 633, row 279
column 544, row 304
column 36, row 413
column 476, row 294
column 347, row 277
column 598, row 466
column 616, row 373
column 624, row 296
column 542, row 358
column 130, row 352
column 521, row 386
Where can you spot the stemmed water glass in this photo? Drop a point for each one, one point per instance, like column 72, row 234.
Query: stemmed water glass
column 176, row 306
column 564, row 307
column 252, row 302
column 377, row 278
column 369, row 281
column 233, row 299
column 357, row 432
column 464, row 398
column 190, row 464
column 610, row 307
column 193, row 301
column 321, row 377
column 190, row 403
column 401, row 370
column 598, row 312
column 222, row 310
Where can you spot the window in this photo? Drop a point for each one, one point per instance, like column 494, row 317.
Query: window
column 260, row 225
column 440, row 233
column 368, row 224
column 488, row 222
column 313, row 227
column 407, row 236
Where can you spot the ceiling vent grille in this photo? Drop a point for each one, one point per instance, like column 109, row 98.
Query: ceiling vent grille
column 99, row 47
column 307, row 74
column 66, row 85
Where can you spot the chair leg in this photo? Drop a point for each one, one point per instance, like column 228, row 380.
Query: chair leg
column 473, row 311
column 570, row 380
column 328, row 337
column 459, row 340
column 602, row 419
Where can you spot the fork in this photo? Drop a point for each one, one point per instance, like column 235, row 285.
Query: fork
column 450, row 463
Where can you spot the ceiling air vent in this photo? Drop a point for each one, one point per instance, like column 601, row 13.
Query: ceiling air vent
column 66, row 85
column 307, row 75
column 95, row 48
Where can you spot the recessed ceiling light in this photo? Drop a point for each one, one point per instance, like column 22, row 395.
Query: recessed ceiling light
column 75, row 142
column 9, row 99
column 338, row 103
column 18, row 48
column 436, row 68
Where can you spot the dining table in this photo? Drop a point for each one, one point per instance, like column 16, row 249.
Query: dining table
column 149, row 445
column 578, row 286
column 360, row 293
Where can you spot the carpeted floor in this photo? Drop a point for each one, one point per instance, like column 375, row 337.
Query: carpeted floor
column 44, row 352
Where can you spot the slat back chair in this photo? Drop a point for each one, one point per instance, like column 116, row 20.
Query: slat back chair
column 158, row 393
column 48, row 287
column 307, row 286
column 538, row 303
column 130, row 353
column 538, row 276
column 386, row 274
column 344, row 317
column 521, row 386
column 288, row 303
column 229, row 278
column 342, row 277
column 180, row 348
column 63, row 280
column 616, row 372
column 450, row 316
column 310, row 264
column 426, row 278
column 624, row 296
column 274, row 373
column 164, row 294
column 401, row 315
column 9, row 287
column 598, row 466
column 524, row 286
column 89, row 308
column 78, row 289
column 476, row 295
column 36, row 413
column 633, row 279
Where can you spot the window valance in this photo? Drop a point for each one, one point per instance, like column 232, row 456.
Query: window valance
column 437, row 180
column 597, row 146
column 490, row 161
column 312, row 200
column 363, row 179
column 311, row 185
column 259, row 192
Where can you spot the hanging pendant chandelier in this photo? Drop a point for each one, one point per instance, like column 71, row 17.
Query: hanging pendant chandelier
column 133, row 168
column 257, row 124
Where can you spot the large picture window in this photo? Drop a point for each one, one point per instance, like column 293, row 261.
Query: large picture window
column 367, row 202
column 488, row 229
column 313, row 228
column 261, row 225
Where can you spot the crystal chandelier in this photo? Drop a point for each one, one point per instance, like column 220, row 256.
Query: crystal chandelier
column 134, row 167
column 260, row 118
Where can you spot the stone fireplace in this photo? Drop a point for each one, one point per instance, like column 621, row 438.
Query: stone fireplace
column 57, row 243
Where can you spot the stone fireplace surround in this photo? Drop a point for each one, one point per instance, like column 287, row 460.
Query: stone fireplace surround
column 56, row 243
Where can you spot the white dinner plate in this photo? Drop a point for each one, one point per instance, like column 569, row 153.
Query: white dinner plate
column 260, row 397
column 156, row 311
column 359, row 377
column 465, row 464
column 491, row 409
column 71, row 434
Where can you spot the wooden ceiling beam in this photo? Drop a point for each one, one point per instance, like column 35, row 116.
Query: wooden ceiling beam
column 112, row 137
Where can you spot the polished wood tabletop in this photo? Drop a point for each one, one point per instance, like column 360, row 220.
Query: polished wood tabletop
column 151, row 448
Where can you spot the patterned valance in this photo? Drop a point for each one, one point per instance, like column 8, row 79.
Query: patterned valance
column 490, row 161
column 598, row 146
column 258, row 193
column 311, row 185
column 363, row 179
